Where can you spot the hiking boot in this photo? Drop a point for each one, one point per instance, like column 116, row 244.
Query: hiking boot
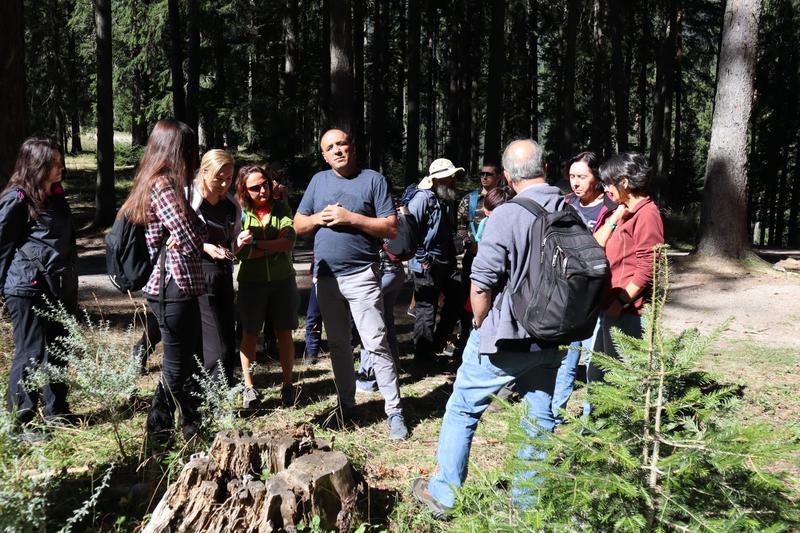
column 249, row 397
column 310, row 359
column 397, row 427
column 419, row 489
column 288, row 395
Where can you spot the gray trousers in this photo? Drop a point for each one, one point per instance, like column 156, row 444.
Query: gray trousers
column 359, row 294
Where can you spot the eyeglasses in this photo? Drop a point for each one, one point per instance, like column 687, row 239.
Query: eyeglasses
column 256, row 188
column 485, row 174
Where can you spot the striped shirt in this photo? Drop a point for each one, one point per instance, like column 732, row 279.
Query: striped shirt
column 183, row 261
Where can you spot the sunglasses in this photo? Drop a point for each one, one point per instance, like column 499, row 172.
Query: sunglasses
column 484, row 174
column 256, row 188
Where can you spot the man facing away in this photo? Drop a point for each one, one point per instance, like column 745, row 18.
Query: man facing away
column 351, row 210
column 434, row 265
column 499, row 349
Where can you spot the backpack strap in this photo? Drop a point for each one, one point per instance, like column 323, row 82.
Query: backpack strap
column 473, row 207
column 530, row 205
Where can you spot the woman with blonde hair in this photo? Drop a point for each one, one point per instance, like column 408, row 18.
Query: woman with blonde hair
column 217, row 207
column 160, row 201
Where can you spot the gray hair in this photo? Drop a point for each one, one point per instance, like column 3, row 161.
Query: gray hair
column 523, row 160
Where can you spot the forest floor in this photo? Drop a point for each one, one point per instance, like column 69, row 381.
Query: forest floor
column 760, row 351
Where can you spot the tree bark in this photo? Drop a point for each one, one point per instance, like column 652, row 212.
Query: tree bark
column 13, row 105
column 359, row 8
column 598, row 124
column 193, row 64
column 412, row 95
column 105, row 208
column 494, row 99
column 643, row 58
column 533, row 56
column 377, row 125
column 176, row 60
column 618, row 77
column 74, row 105
column 341, row 54
column 794, row 207
column 289, row 77
column 325, row 77
column 567, row 137
column 723, row 221
column 431, row 80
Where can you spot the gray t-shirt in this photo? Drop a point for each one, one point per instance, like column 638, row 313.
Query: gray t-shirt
column 345, row 250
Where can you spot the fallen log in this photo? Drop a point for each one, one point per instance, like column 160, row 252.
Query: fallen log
column 259, row 483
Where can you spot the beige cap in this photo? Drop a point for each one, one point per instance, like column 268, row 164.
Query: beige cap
column 439, row 169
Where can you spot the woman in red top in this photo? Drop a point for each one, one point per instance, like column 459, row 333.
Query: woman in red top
column 628, row 237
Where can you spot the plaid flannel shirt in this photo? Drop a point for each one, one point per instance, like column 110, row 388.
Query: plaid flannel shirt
column 183, row 262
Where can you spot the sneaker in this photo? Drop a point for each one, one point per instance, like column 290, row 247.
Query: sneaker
column 288, row 395
column 249, row 397
column 411, row 311
column 366, row 385
column 310, row 359
column 419, row 489
column 397, row 427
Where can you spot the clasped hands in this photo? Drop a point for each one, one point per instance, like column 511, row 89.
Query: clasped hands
column 335, row 215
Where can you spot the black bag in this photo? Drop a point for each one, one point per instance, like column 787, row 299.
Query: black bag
column 127, row 259
column 557, row 301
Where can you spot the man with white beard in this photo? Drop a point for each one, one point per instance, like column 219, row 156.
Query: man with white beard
column 434, row 265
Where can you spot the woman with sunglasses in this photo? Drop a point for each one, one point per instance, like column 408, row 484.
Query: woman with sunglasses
column 267, row 286
column 221, row 212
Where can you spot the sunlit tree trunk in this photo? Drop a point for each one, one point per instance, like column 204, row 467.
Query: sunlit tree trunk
column 105, row 208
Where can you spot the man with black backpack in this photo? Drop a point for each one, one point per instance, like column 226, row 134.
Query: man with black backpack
column 434, row 266
column 501, row 347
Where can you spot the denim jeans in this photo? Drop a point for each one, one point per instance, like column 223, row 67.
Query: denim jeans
column 391, row 285
column 313, row 324
column 565, row 381
column 478, row 378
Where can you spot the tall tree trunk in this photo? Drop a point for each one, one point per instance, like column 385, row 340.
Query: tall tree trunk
column 289, row 77
column 216, row 126
column 193, row 64
column 359, row 7
column 643, row 58
column 723, row 221
column 341, row 54
column 678, row 184
column 72, row 88
column 105, row 208
column 776, row 237
column 567, row 134
column 494, row 100
column 431, row 80
column 794, row 207
column 325, row 78
column 176, row 59
column 533, row 57
column 597, row 139
column 465, row 76
column 619, row 79
column 412, row 96
column 13, row 106
column 377, row 125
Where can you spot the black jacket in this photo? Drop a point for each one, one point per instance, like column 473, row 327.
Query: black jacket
column 38, row 256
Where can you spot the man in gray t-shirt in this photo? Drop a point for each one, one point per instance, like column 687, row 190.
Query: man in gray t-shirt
column 350, row 210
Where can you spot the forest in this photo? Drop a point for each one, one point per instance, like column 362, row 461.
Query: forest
column 414, row 80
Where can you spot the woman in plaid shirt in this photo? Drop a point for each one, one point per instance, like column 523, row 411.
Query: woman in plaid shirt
column 158, row 201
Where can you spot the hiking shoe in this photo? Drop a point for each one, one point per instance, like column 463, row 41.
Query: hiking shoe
column 310, row 359
column 368, row 385
column 249, row 397
column 397, row 427
column 411, row 311
column 287, row 395
column 419, row 489
column 30, row 437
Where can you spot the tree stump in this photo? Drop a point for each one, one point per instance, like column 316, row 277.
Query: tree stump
column 258, row 484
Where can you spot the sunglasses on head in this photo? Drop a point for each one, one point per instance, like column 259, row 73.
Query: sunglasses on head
column 256, row 188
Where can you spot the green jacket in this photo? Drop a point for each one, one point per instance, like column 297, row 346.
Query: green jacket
column 272, row 266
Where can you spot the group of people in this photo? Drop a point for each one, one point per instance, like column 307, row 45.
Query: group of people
column 195, row 228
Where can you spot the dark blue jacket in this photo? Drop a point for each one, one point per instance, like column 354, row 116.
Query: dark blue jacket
column 38, row 256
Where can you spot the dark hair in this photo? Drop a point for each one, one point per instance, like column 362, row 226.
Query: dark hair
column 32, row 169
column 495, row 164
column 170, row 155
column 241, row 182
column 495, row 198
column 629, row 165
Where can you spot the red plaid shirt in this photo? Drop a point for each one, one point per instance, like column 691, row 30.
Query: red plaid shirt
column 183, row 262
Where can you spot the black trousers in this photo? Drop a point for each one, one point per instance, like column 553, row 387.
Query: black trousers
column 218, row 318
column 32, row 336
column 430, row 337
column 181, row 339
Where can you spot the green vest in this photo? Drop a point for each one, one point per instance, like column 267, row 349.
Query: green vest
column 276, row 266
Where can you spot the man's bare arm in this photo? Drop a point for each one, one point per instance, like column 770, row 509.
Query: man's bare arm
column 336, row 215
column 307, row 223
column 481, row 300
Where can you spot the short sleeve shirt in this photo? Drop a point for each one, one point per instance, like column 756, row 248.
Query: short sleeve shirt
column 589, row 214
column 346, row 250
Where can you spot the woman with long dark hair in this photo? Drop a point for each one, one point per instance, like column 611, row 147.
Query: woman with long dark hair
column 37, row 268
column 159, row 201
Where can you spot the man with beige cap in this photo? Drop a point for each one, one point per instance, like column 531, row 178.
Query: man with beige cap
column 434, row 266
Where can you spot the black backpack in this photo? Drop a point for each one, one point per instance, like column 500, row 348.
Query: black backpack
column 404, row 246
column 127, row 258
column 557, row 301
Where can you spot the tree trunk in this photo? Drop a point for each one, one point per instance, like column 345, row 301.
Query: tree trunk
column 341, row 54
column 533, row 57
column 377, row 125
column 619, row 79
column 193, row 64
column 412, row 96
column 598, row 124
column 678, row 184
column 325, row 77
column 105, row 208
column 794, row 207
column 431, row 81
column 216, row 126
column 643, row 58
column 776, row 237
column 723, row 222
column 567, row 137
column 359, row 7
column 289, row 77
column 13, row 105
column 176, row 60
column 74, row 105
column 494, row 99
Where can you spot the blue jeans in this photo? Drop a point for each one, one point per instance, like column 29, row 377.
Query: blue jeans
column 391, row 285
column 478, row 378
column 313, row 323
column 565, row 381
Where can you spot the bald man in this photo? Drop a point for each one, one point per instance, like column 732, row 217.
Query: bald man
column 350, row 210
column 499, row 350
